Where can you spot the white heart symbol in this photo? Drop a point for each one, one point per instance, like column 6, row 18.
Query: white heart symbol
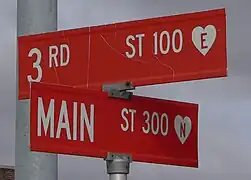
column 203, row 39
column 183, row 127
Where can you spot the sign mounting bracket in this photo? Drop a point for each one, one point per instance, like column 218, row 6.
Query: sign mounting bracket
column 118, row 165
column 119, row 90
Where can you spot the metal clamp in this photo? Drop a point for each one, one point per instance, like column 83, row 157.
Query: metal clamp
column 119, row 90
column 118, row 163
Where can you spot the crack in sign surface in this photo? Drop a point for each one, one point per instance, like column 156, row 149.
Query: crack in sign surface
column 168, row 67
column 114, row 49
column 89, row 57
column 140, row 60
column 54, row 68
column 136, row 59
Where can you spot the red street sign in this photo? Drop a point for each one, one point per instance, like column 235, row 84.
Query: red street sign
column 150, row 51
column 85, row 122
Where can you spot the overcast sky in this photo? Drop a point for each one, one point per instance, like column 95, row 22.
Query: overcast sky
column 225, row 104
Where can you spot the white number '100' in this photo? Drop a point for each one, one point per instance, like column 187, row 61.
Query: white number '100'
column 36, row 64
column 155, row 123
column 158, row 42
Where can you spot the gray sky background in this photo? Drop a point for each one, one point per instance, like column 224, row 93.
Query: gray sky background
column 225, row 104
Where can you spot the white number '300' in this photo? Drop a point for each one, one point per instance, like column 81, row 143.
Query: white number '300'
column 36, row 65
column 161, row 121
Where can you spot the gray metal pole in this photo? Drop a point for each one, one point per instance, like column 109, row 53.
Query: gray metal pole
column 118, row 177
column 118, row 166
column 33, row 16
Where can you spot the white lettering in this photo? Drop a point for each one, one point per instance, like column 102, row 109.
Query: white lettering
column 155, row 43
column 140, row 45
column 180, row 38
column 158, row 120
column 89, row 123
column 53, row 60
column 53, row 56
column 126, row 126
column 36, row 65
column 146, row 130
column 169, row 41
column 166, row 50
column 156, row 130
column 54, row 51
column 140, row 37
column 67, row 60
column 75, row 120
column 133, row 112
column 61, row 124
column 46, row 120
column 128, row 43
column 164, row 117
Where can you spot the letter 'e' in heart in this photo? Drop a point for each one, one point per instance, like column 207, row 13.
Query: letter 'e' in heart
column 183, row 127
column 203, row 39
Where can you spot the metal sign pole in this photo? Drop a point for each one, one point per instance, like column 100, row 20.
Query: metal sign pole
column 33, row 16
column 118, row 165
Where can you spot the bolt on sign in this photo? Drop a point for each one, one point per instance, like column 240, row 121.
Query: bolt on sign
column 74, row 121
column 168, row 49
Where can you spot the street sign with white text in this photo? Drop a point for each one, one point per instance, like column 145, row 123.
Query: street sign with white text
column 151, row 51
column 66, row 120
